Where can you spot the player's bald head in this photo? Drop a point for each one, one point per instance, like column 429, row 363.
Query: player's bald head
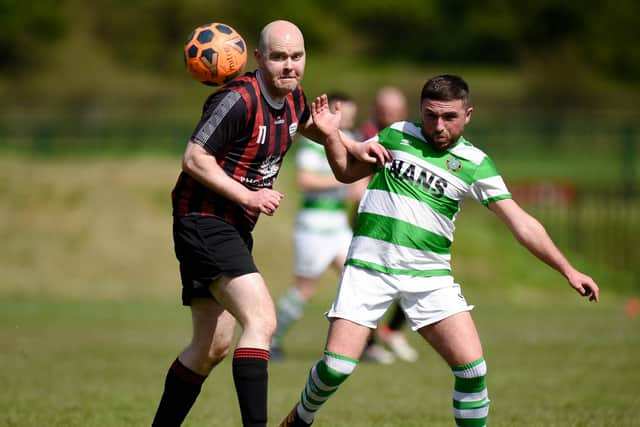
column 279, row 31
column 391, row 106
column 390, row 96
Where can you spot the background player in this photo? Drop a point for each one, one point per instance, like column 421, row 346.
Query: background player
column 322, row 232
column 390, row 106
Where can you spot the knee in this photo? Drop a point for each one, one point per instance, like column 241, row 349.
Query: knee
column 207, row 356
column 304, row 289
column 217, row 352
column 261, row 325
column 269, row 327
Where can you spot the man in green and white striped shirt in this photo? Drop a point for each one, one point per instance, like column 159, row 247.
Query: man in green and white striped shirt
column 406, row 219
column 401, row 245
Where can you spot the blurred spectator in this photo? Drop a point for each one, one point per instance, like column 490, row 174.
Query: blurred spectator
column 390, row 106
column 322, row 232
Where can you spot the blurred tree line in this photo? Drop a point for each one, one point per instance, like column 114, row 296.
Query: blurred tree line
column 108, row 74
column 599, row 36
column 566, row 53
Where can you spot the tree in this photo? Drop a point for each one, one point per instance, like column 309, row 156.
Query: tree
column 27, row 31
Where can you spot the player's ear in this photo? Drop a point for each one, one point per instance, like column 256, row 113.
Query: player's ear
column 468, row 113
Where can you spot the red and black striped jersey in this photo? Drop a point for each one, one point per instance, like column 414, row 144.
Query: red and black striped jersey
column 369, row 129
column 249, row 135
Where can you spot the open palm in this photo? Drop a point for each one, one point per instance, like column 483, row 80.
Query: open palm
column 324, row 119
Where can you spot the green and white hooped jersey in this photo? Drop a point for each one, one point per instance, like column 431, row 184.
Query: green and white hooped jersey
column 405, row 221
column 322, row 211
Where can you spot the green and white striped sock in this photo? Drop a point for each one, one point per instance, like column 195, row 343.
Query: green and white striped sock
column 324, row 379
column 470, row 396
column 290, row 308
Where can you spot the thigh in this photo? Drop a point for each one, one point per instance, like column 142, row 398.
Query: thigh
column 314, row 251
column 246, row 297
column 342, row 242
column 363, row 296
column 427, row 300
column 455, row 338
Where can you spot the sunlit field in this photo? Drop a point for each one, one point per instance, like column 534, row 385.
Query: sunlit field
column 90, row 317
column 552, row 362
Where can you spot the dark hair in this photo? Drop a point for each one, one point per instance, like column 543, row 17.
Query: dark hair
column 446, row 87
column 339, row 96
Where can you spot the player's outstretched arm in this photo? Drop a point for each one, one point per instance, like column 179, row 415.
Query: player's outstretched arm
column 532, row 235
column 350, row 160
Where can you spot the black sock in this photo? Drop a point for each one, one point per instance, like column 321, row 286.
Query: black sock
column 370, row 341
column 398, row 319
column 181, row 389
column 251, row 379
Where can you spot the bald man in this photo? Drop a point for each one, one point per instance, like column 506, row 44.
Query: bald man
column 228, row 170
column 390, row 106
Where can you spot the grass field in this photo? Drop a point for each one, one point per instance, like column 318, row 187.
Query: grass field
column 90, row 318
column 554, row 362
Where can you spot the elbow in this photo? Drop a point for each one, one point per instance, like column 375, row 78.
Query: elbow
column 343, row 176
column 530, row 238
column 192, row 158
column 344, row 172
column 352, row 172
column 346, row 179
column 192, row 167
column 188, row 164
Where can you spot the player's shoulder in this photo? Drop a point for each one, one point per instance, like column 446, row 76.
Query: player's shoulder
column 239, row 88
column 223, row 101
column 248, row 78
column 466, row 150
column 404, row 129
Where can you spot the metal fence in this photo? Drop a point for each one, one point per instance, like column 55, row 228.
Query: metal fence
column 603, row 227
column 586, row 167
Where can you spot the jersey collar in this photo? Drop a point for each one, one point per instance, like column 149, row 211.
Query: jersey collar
column 263, row 89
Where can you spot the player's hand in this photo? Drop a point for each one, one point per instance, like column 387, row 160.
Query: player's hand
column 324, row 119
column 265, row 201
column 370, row 152
column 584, row 285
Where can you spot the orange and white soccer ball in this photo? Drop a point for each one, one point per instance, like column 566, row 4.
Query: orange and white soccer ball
column 215, row 54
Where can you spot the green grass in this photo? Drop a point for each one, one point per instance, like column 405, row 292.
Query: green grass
column 552, row 362
column 90, row 316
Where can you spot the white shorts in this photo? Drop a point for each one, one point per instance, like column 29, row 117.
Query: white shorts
column 365, row 295
column 314, row 251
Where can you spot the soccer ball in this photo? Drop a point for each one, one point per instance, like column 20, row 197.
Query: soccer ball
column 215, row 54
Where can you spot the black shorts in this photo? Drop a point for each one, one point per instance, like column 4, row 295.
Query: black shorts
column 207, row 248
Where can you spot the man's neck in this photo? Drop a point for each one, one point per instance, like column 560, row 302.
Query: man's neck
column 275, row 102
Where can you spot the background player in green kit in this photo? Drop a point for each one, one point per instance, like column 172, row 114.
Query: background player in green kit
column 322, row 232
column 390, row 106
column 401, row 246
